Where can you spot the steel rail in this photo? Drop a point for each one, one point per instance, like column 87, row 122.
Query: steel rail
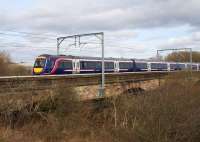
column 14, row 84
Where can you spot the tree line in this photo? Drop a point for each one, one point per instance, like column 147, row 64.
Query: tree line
column 183, row 56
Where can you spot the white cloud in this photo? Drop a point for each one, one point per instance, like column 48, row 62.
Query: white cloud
column 189, row 41
column 89, row 15
column 118, row 19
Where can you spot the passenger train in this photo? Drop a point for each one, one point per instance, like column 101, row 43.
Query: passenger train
column 52, row 64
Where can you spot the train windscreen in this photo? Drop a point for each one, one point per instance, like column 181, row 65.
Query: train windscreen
column 40, row 63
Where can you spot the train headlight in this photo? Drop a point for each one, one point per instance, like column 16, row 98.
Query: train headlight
column 38, row 70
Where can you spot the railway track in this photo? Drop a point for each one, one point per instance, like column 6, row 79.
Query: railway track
column 14, row 84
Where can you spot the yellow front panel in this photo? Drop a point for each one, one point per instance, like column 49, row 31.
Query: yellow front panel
column 38, row 70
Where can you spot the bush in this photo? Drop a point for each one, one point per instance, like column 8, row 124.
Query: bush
column 8, row 68
column 4, row 61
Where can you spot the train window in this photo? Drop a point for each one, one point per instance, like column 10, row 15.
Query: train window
column 65, row 65
column 158, row 66
column 125, row 65
column 83, row 65
column 109, row 65
column 98, row 65
column 40, row 63
column 154, row 66
column 194, row 67
column 177, row 66
column 181, row 66
column 90, row 64
column 141, row 65
column 163, row 66
column 173, row 66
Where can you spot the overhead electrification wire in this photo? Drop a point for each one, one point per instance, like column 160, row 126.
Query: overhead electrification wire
column 29, row 33
column 26, row 36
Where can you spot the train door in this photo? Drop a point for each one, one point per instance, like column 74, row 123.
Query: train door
column 168, row 66
column 116, row 66
column 77, row 66
column 185, row 66
column 149, row 66
column 74, row 66
column 197, row 67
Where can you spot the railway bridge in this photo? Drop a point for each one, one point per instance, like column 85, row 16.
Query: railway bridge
column 86, row 86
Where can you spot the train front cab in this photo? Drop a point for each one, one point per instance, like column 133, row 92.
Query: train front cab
column 39, row 65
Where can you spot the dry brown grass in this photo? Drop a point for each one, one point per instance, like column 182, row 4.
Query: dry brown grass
column 8, row 68
column 169, row 114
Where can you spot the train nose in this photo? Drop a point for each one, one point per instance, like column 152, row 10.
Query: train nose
column 37, row 70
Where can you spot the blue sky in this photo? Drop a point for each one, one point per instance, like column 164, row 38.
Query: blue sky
column 16, row 4
column 133, row 28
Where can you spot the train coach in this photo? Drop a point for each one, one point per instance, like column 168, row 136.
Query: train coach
column 51, row 64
